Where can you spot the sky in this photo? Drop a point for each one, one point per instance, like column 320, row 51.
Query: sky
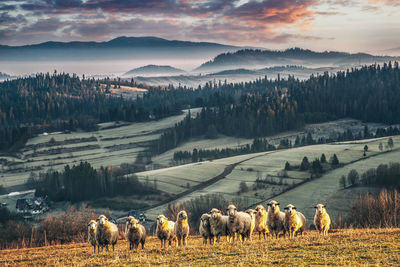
column 371, row 26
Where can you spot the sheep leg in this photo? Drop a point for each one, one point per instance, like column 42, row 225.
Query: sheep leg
column 113, row 245
column 259, row 236
column 264, row 235
column 179, row 241
column 142, row 242
column 184, row 240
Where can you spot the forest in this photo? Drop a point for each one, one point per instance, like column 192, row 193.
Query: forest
column 249, row 109
column 265, row 107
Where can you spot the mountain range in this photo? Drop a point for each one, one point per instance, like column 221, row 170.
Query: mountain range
column 118, row 48
column 154, row 70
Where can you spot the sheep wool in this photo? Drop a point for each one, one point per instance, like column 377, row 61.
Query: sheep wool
column 92, row 234
column 135, row 233
column 181, row 228
column 106, row 233
column 165, row 230
column 295, row 221
column 322, row 220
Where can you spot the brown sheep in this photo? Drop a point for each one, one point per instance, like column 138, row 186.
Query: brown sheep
column 205, row 228
column 135, row 233
column 106, row 233
column 275, row 219
column 92, row 234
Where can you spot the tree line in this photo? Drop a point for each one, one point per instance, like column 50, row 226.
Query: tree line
column 265, row 107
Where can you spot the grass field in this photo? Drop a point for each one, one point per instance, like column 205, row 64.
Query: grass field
column 269, row 164
column 363, row 247
column 106, row 147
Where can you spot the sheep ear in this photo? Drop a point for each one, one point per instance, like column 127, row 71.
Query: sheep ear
column 294, row 208
column 106, row 219
column 324, row 206
column 268, row 204
column 278, row 203
column 286, row 208
column 97, row 219
column 315, row 207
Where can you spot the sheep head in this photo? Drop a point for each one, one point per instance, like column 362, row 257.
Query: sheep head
column 132, row 223
column 320, row 209
column 92, row 225
column 290, row 209
column 162, row 221
column 102, row 219
column 273, row 206
column 215, row 213
column 231, row 210
column 260, row 210
column 205, row 220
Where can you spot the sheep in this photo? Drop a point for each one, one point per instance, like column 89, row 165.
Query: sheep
column 181, row 227
column 322, row 221
column 165, row 230
column 275, row 219
column 238, row 223
column 106, row 233
column 205, row 228
column 294, row 220
column 135, row 233
column 92, row 234
column 252, row 214
column 219, row 224
column 261, row 225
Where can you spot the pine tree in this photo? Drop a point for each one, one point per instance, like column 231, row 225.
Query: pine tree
column 305, row 165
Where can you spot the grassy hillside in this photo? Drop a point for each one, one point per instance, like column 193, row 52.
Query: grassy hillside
column 112, row 145
column 269, row 165
column 379, row 247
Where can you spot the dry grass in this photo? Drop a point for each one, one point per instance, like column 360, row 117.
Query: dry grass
column 379, row 247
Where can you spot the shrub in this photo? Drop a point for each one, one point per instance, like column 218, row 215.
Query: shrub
column 380, row 211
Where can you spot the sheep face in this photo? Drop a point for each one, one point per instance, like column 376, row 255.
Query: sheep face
column 132, row 223
column 92, row 225
column 102, row 219
column 320, row 209
column 205, row 220
column 290, row 209
column 182, row 215
column 274, row 206
column 161, row 219
column 232, row 210
column 260, row 210
column 215, row 213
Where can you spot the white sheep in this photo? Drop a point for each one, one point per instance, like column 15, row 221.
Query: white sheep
column 239, row 223
column 135, row 233
column 219, row 224
column 322, row 221
column 261, row 218
column 92, row 234
column 106, row 233
column 181, row 227
column 205, row 228
column 252, row 214
column 275, row 219
column 295, row 221
column 165, row 230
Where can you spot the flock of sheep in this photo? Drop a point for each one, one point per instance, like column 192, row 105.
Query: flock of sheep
column 213, row 225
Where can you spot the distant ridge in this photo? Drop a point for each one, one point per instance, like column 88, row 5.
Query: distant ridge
column 254, row 58
column 151, row 70
column 120, row 47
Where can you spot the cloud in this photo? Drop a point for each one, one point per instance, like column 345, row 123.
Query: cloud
column 387, row 2
column 251, row 21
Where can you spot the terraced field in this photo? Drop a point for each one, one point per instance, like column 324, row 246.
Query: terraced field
column 111, row 145
column 247, row 168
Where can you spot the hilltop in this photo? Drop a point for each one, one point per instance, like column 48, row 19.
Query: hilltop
column 154, row 70
column 256, row 58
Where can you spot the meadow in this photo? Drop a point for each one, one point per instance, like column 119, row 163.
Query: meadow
column 343, row 247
